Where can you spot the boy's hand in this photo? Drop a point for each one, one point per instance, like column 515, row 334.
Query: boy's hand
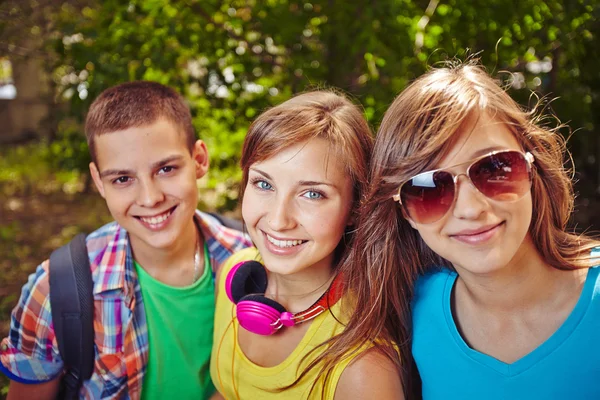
column 34, row 391
column 217, row 396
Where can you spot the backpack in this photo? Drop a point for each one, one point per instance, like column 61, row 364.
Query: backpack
column 72, row 307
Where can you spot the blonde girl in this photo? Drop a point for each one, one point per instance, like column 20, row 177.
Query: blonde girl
column 282, row 303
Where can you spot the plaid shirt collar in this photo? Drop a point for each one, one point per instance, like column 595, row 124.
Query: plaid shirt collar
column 30, row 352
column 115, row 263
column 113, row 269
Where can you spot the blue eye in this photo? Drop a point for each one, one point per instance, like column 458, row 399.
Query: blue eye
column 263, row 185
column 313, row 195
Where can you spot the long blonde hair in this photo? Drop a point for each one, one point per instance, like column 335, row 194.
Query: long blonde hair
column 330, row 116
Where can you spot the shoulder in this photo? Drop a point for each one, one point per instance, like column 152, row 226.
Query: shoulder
column 102, row 236
column 431, row 291
column 433, row 282
column 108, row 236
column 33, row 308
column 34, row 301
column 371, row 375
column 250, row 253
column 593, row 280
column 222, row 241
column 36, row 289
column 30, row 351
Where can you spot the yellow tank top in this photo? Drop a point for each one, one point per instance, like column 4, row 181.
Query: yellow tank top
column 235, row 376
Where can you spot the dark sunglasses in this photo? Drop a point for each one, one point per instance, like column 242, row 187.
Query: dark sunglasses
column 500, row 175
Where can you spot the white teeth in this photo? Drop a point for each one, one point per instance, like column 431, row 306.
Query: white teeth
column 284, row 243
column 156, row 220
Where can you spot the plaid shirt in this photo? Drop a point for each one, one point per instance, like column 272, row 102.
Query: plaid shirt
column 30, row 353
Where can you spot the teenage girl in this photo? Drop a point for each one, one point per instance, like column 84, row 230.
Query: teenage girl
column 468, row 189
column 281, row 304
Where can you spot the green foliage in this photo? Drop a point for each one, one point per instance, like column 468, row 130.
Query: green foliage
column 41, row 168
column 69, row 152
column 3, row 386
column 232, row 59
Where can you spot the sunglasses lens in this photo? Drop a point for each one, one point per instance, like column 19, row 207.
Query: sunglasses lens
column 428, row 197
column 503, row 176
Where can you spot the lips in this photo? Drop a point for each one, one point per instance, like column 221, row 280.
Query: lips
column 284, row 247
column 478, row 235
column 156, row 221
column 283, row 243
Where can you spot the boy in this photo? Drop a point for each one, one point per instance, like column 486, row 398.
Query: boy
column 152, row 268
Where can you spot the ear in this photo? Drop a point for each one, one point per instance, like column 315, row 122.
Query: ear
column 411, row 222
column 200, row 156
column 96, row 178
column 351, row 219
column 406, row 217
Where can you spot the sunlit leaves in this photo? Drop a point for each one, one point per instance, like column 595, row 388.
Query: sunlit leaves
column 243, row 56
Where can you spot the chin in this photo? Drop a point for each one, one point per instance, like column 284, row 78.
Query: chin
column 484, row 267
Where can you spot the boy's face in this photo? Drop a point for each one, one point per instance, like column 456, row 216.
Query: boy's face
column 148, row 178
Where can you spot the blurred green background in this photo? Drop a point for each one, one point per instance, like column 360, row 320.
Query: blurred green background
column 233, row 59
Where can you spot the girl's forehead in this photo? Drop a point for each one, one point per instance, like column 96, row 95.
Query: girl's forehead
column 314, row 161
column 307, row 151
column 479, row 134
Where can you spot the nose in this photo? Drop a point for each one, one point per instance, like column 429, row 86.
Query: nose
column 149, row 194
column 470, row 203
column 281, row 214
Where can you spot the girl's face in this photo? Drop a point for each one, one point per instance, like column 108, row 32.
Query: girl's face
column 479, row 235
column 296, row 206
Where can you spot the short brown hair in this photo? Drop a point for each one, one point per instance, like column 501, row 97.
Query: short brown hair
column 134, row 104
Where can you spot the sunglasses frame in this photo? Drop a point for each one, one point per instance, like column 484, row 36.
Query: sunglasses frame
column 529, row 158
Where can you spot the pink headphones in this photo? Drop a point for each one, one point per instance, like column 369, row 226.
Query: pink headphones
column 245, row 286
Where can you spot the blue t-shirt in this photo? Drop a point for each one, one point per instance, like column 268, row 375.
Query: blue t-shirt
column 566, row 366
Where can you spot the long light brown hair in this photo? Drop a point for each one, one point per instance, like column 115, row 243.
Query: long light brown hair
column 417, row 130
column 319, row 114
column 322, row 114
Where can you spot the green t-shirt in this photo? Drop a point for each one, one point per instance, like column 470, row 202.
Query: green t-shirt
column 180, row 335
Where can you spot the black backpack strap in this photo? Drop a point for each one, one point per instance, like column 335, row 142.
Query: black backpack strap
column 229, row 222
column 72, row 306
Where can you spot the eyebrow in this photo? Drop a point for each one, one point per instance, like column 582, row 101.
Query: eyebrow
column 474, row 156
column 263, row 173
column 488, row 150
column 302, row 183
column 316, row 183
column 111, row 172
column 166, row 161
column 156, row 165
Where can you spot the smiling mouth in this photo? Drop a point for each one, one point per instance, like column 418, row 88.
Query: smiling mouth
column 284, row 243
column 478, row 232
column 157, row 219
column 478, row 237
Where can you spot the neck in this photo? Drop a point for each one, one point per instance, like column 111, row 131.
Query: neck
column 299, row 291
column 526, row 282
column 161, row 261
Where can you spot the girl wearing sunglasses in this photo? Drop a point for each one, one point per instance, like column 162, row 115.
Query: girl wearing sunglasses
column 470, row 199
